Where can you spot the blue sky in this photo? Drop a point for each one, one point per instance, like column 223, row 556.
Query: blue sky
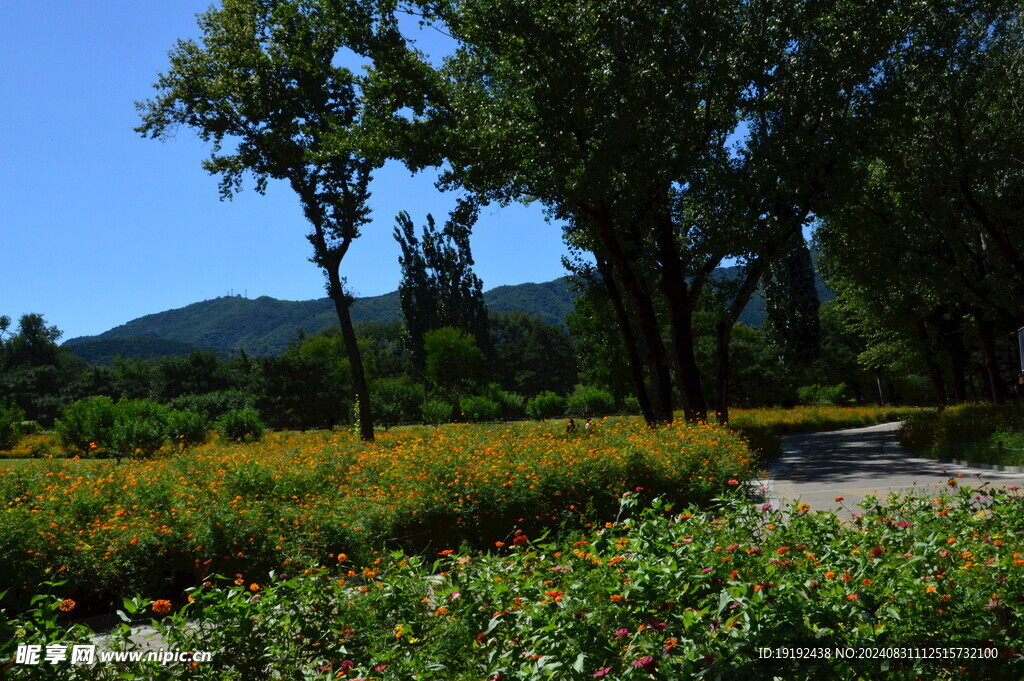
column 99, row 226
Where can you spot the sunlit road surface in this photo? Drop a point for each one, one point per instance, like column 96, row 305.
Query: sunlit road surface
column 818, row 467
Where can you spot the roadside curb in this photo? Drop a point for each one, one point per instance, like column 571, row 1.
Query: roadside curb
column 1019, row 470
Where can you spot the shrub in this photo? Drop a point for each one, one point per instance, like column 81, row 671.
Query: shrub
column 186, row 428
column 395, row 400
column 479, row 409
column 942, row 433
column 546, row 405
column 631, row 404
column 511, row 405
column 436, row 412
column 215, row 404
column 822, row 395
column 11, row 416
column 241, row 425
column 590, row 401
column 85, row 426
column 140, row 428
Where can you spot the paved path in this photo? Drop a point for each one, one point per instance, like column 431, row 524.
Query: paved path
column 818, row 467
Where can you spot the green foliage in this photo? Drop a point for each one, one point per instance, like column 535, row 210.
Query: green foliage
column 395, row 400
column 11, row 418
column 87, row 425
column 631, row 404
column 511, row 405
column 547, row 405
column 611, row 602
column 822, row 395
column 438, row 288
column 454, row 363
column 241, row 425
column 478, row 409
column 212, row 405
column 531, row 356
column 436, row 412
column 951, row 432
column 140, row 428
column 589, row 401
column 35, row 370
column 187, row 428
column 300, row 390
column 791, row 304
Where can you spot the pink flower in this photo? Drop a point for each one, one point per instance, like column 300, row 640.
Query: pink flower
column 648, row 663
column 734, row 482
column 622, row 633
column 603, row 671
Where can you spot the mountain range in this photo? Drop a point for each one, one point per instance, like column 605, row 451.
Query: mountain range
column 265, row 325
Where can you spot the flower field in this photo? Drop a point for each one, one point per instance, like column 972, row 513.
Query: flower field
column 159, row 526
column 661, row 592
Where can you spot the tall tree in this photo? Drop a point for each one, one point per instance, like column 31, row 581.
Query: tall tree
column 439, row 288
column 264, row 79
column 791, row 305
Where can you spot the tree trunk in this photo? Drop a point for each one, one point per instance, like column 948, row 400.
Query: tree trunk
column 628, row 339
column 958, row 362
column 348, row 334
column 723, row 358
column 934, row 371
column 642, row 306
column 680, row 305
column 991, row 377
column 723, row 334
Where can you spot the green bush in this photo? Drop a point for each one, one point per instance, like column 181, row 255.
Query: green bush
column 85, row 426
column 954, row 429
column 215, row 404
column 395, row 400
column 31, row 428
column 436, row 412
column 11, row 416
column 588, row 401
column 511, row 405
column 631, row 405
column 478, row 409
column 241, row 425
column 140, row 428
column 822, row 395
column 546, row 405
column 187, row 428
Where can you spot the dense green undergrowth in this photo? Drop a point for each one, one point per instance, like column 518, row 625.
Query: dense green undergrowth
column 659, row 593
column 980, row 433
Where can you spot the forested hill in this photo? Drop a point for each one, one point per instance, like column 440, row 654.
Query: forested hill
column 263, row 326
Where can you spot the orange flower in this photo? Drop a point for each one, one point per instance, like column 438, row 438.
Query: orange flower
column 852, row 597
column 254, row 587
column 67, row 605
column 838, row 499
column 829, row 574
column 161, row 607
column 615, row 598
